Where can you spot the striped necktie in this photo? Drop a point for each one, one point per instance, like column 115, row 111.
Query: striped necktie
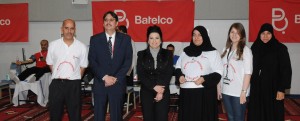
column 110, row 46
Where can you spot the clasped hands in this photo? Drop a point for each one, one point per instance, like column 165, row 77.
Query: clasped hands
column 159, row 92
column 197, row 82
column 109, row 80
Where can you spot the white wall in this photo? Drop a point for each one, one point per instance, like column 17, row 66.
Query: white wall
column 51, row 30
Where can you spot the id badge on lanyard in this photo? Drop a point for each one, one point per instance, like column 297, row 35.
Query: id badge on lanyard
column 226, row 80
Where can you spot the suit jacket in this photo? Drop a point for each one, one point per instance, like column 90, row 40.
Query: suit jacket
column 102, row 64
column 150, row 76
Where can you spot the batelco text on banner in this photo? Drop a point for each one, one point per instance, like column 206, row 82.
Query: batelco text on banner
column 14, row 22
column 176, row 18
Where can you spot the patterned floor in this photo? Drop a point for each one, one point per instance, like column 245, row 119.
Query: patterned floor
column 34, row 112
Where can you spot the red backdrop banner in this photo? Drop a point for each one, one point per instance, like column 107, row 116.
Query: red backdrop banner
column 176, row 18
column 14, row 22
column 284, row 15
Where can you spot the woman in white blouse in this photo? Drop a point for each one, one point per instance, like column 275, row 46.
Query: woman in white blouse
column 237, row 60
column 199, row 69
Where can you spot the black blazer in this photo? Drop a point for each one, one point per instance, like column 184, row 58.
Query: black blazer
column 148, row 75
column 102, row 64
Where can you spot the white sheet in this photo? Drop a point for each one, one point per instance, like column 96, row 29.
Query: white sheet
column 40, row 88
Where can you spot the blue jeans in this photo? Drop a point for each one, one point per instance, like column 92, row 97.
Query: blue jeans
column 235, row 110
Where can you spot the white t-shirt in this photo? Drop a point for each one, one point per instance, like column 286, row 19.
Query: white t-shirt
column 194, row 67
column 236, row 72
column 67, row 60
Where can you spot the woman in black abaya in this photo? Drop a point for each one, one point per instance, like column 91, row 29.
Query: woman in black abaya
column 271, row 76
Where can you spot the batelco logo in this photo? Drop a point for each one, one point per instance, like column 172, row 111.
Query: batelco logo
column 278, row 15
column 138, row 19
column 122, row 17
column 4, row 22
column 278, row 18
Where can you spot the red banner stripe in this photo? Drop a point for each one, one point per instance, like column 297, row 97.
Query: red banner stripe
column 284, row 15
column 14, row 22
column 176, row 18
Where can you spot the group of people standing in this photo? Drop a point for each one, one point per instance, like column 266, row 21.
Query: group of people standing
column 109, row 59
column 204, row 75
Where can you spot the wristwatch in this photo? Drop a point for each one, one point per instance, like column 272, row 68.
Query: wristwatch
column 244, row 91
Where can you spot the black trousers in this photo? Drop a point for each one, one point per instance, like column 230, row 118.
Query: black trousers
column 39, row 72
column 63, row 91
column 152, row 110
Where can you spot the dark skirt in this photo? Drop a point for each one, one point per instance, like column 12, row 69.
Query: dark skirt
column 198, row 104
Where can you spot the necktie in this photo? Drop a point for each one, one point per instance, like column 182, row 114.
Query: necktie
column 110, row 46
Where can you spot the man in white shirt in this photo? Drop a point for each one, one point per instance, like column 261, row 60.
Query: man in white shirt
column 67, row 59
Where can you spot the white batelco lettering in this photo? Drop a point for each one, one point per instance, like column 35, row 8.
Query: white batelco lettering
column 4, row 22
column 152, row 20
column 297, row 19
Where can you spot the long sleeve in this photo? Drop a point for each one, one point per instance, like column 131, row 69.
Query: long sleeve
column 127, row 60
column 212, row 79
column 178, row 71
column 285, row 70
column 167, row 72
column 142, row 74
column 92, row 59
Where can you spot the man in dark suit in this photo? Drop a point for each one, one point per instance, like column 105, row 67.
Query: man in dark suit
column 110, row 57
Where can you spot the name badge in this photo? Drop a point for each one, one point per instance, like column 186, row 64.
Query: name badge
column 226, row 80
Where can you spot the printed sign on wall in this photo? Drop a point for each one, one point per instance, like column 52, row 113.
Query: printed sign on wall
column 14, row 22
column 176, row 18
column 284, row 15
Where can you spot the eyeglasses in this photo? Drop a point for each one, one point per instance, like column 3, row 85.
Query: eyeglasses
column 109, row 20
